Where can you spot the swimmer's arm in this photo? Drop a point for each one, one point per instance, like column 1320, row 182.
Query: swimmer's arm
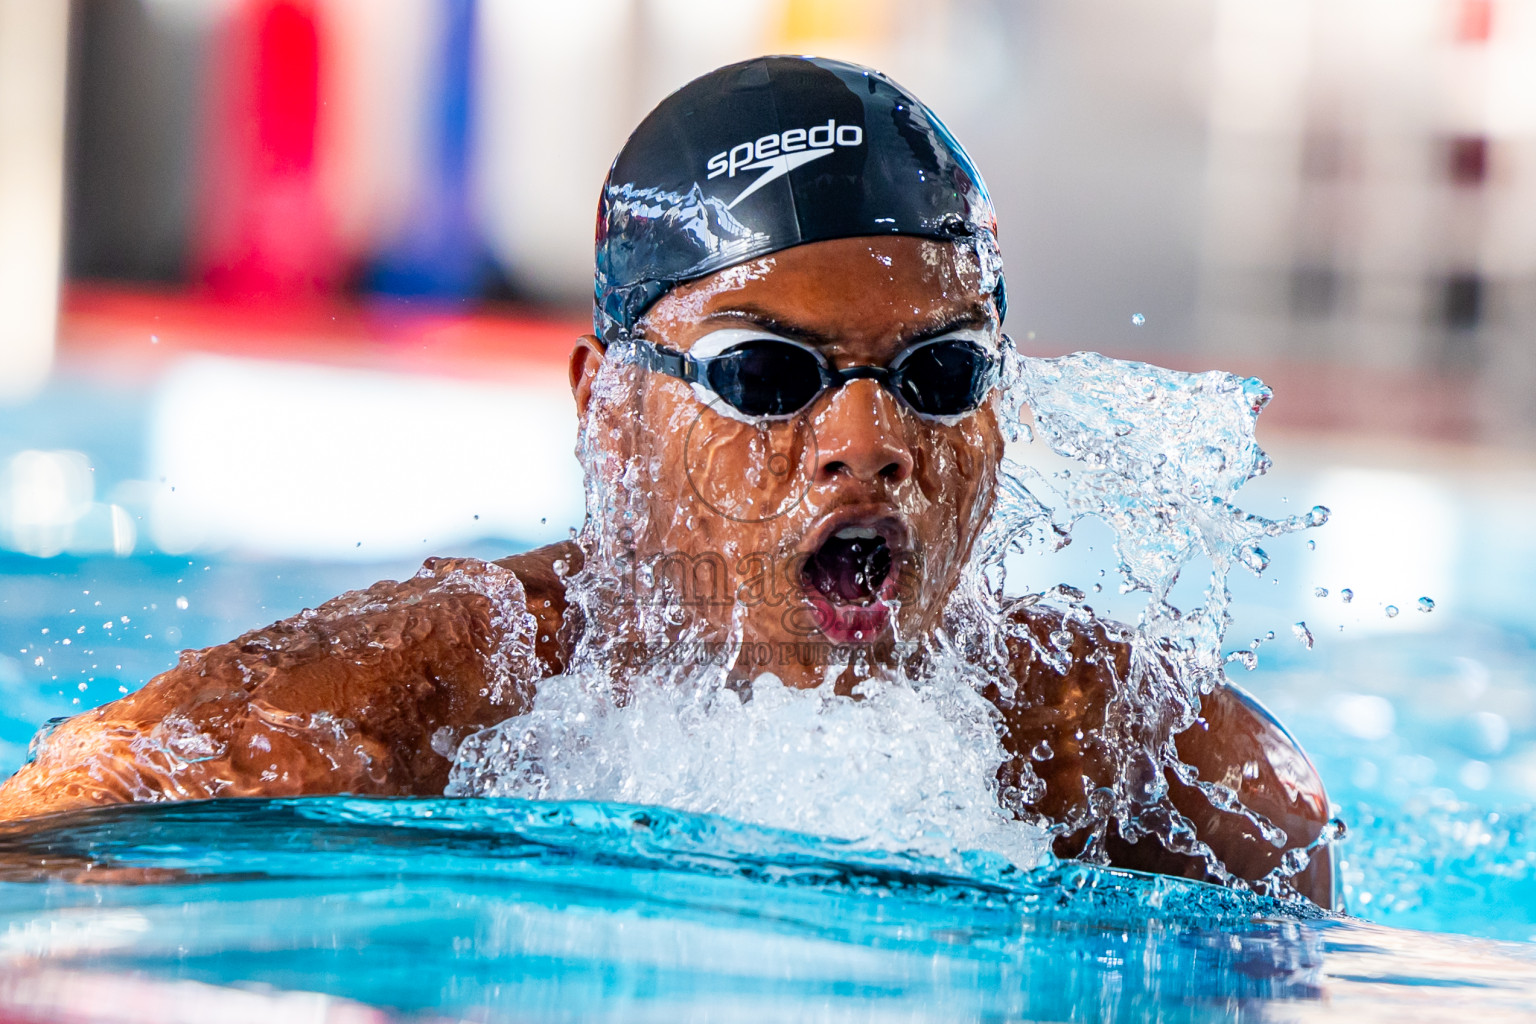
column 362, row 695
column 1238, row 743
column 1235, row 742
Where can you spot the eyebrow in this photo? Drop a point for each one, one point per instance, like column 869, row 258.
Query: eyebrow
column 976, row 315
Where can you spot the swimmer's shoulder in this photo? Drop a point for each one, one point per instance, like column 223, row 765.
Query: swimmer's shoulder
column 1238, row 743
column 1057, row 658
column 542, row 572
column 1235, row 741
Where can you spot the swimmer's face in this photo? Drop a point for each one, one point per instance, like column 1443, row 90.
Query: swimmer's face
column 847, row 522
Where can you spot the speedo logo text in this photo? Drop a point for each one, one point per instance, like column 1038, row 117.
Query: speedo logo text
column 778, row 154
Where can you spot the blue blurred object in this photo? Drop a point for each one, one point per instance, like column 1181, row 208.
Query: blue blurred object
column 441, row 254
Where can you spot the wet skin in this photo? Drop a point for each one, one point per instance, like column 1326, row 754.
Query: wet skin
column 368, row 693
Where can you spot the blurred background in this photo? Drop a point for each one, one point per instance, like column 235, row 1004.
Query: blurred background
column 287, row 287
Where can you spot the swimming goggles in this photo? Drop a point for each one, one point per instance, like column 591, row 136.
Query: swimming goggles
column 761, row 375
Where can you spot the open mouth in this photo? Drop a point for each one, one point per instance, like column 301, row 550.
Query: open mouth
column 850, row 566
column 850, row 574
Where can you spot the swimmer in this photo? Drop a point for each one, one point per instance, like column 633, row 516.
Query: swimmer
column 790, row 251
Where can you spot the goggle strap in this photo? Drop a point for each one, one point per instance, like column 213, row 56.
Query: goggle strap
column 668, row 361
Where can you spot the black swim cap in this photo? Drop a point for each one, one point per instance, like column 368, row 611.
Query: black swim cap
column 775, row 152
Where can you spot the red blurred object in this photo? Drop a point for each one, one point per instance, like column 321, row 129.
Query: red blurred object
column 287, row 88
column 1474, row 22
column 263, row 231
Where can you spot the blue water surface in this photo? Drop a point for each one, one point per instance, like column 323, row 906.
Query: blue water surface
column 498, row 910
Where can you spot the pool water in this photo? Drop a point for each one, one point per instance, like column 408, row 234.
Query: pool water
column 494, row 910
column 501, row 910
column 1422, row 724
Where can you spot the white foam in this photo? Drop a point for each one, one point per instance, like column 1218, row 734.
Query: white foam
column 898, row 766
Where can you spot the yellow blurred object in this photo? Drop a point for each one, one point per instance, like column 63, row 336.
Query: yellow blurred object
column 848, row 29
column 33, row 46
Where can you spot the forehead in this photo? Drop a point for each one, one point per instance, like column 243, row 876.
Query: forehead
column 853, row 290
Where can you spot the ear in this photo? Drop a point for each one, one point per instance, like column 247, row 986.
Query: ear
column 586, row 358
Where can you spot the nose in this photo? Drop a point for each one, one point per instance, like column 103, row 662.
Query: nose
column 859, row 436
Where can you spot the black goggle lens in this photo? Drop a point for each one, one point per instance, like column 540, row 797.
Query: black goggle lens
column 765, row 378
column 946, row 378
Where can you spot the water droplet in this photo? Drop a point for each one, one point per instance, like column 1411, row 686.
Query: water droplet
column 1346, row 595
column 1070, row 594
column 1311, row 545
column 1138, row 319
column 1317, row 516
column 181, row 603
column 1247, row 659
column 1391, row 611
column 1426, row 604
column 1255, row 558
column 1319, row 591
column 37, row 660
column 1042, row 751
column 1303, row 634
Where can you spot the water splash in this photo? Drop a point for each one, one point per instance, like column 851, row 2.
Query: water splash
column 1161, row 457
column 1164, row 454
column 892, row 767
column 907, row 753
column 661, row 704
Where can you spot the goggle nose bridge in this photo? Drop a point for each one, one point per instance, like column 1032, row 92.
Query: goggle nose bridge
column 832, row 376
